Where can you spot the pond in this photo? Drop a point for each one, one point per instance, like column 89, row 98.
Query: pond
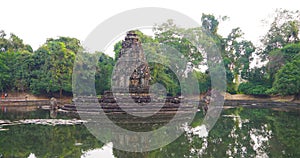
column 239, row 132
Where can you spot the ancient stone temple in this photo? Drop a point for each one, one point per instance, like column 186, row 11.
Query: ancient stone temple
column 133, row 70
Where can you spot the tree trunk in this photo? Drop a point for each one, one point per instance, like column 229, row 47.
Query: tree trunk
column 236, row 82
column 60, row 93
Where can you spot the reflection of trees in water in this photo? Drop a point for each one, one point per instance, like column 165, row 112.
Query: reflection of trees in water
column 285, row 128
column 51, row 141
column 178, row 148
column 46, row 141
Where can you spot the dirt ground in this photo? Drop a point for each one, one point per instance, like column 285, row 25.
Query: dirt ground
column 229, row 96
column 249, row 97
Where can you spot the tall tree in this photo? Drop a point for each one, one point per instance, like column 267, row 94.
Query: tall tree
column 4, row 73
column 22, row 72
column 12, row 64
column 52, row 69
column 173, row 36
column 287, row 80
column 210, row 23
column 279, row 57
column 237, row 55
column 283, row 30
column 103, row 73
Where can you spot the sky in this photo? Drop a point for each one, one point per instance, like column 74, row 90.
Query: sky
column 36, row 20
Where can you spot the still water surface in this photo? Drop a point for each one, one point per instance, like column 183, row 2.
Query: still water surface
column 238, row 133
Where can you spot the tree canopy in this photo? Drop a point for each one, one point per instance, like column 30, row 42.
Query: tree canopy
column 48, row 70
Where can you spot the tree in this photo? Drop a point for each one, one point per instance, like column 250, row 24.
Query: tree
column 283, row 30
column 22, row 72
column 72, row 44
column 52, row 68
column 287, row 80
column 253, row 88
column 15, row 60
column 3, row 72
column 168, row 33
column 279, row 57
column 62, row 60
column 103, row 73
column 237, row 55
column 210, row 23
column 4, row 43
column 203, row 80
column 258, row 82
column 117, row 49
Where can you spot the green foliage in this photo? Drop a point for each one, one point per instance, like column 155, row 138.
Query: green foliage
column 145, row 39
column 84, row 73
column 22, row 75
column 173, row 36
column 258, row 82
column 257, row 75
column 117, row 49
column 52, row 68
column 49, row 69
column 276, row 62
column 210, row 23
column 290, row 51
column 163, row 75
column 47, row 141
column 253, row 89
column 280, row 76
column 283, row 30
column 203, row 80
column 279, row 57
column 14, row 60
column 103, row 73
column 287, row 80
column 237, row 57
column 4, row 72
column 280, row 45
column 72, row 44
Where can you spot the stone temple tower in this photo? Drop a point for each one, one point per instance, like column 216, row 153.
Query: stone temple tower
column 133, row 70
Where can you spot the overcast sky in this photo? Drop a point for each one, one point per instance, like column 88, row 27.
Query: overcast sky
column 36, row 20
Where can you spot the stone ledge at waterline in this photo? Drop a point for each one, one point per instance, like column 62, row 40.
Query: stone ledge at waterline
column 231, row 101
